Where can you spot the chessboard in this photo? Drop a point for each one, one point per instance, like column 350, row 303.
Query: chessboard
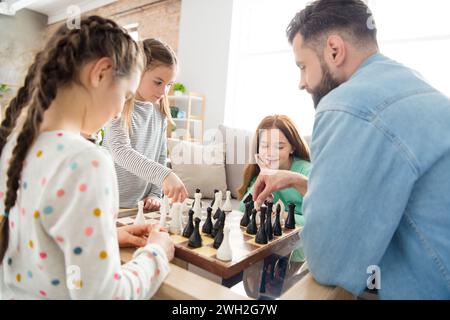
column 245, row 251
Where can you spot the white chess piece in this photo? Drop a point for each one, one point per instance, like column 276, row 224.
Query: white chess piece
column 224, row 252
column 227, row 205
column 197, row 205
column 220, row 197
column 176, row 224
column 164, row 211
column 140, row 219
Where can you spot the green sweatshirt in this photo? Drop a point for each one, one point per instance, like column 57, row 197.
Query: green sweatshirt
column 287, row 196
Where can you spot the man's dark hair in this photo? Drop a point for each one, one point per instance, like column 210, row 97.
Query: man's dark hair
column 323, row 16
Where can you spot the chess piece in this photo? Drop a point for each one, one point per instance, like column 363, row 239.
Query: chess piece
column 268, row 225
column 219, row 236
column 224, row 252
column 197, row 205
column 214, row 199
column 219, row 220
column 261, row 235
column 246, row 217
column 227, row 205
column 164, row 211
column 195, row 240
column 207, row 226
column 290, row 221
column 189, row 228
column 140, row 219
column 252, row 228
column 176, row 223
column 216, row 205
column 277, row 225
column 248, row 198
column 196, row 192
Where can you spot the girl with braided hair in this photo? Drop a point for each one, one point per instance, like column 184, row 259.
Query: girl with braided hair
column 58, row 192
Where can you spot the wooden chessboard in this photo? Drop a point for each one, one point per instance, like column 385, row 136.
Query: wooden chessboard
column 245, row 250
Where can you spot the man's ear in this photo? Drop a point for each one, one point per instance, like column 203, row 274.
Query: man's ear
column 335, row 51
column 99, row 71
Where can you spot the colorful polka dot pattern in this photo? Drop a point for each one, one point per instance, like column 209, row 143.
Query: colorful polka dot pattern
column 84, row 247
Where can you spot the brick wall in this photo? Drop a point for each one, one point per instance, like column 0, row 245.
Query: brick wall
column 156, row 18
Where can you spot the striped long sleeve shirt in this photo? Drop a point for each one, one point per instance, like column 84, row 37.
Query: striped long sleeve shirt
column 139, row 157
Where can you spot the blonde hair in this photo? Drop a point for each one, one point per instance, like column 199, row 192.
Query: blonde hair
column 157, row 53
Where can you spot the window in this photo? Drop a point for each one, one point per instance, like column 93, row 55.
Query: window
column 133, row 30
column 263, row 78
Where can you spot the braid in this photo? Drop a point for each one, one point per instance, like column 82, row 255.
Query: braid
column 16, row 105
column 57, row 65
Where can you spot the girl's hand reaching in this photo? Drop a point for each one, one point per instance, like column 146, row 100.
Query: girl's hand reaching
column 174, row 188
column 133, row 235
column 151, row 204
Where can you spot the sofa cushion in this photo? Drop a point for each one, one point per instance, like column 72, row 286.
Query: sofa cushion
column 199, row 166
column 238, row 147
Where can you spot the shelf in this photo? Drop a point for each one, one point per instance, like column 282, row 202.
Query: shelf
column 185, row 119
column 185, row 97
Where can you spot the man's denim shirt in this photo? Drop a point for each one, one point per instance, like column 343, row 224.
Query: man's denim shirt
column 379, row 189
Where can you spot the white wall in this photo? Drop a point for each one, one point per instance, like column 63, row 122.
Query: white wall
column 203, row 52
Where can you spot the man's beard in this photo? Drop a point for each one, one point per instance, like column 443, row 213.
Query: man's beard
column 327, row 84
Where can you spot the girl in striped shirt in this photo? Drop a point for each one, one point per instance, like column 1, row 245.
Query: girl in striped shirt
column 137, row 141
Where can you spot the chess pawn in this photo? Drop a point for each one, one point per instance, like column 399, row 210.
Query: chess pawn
column 197, row 206
column 277, row 224
column 227, row 205
column 290, row 221
column 224, row 252
column 246, row 217
column 195, row 240
column 140, row 219
column 252, row 228
column 189, row 228
column 176, row 223
column 268, row 224
column 207, row 226
column 261, row 235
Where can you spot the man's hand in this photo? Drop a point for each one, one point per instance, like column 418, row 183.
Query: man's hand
column 273, row 180
column 133, row 235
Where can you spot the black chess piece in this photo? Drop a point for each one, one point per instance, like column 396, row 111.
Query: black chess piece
column 290, row 221
column 217, row 214
column 248, row 198
column 246, row 217
column 268, row 225
column 261, row 235
column 220, row 220
column 190, row 225
column 207, row 226
column 252, row 228
column 219, row 236
column 214, row 197
column 195, row 240
column 277, row 225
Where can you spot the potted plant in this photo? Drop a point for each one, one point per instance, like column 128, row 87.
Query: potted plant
column 179, row 89
column 174, row 111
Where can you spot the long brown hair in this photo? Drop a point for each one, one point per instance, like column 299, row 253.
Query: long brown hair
column 157, row 53
column 289, row 129
column 57, row 65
